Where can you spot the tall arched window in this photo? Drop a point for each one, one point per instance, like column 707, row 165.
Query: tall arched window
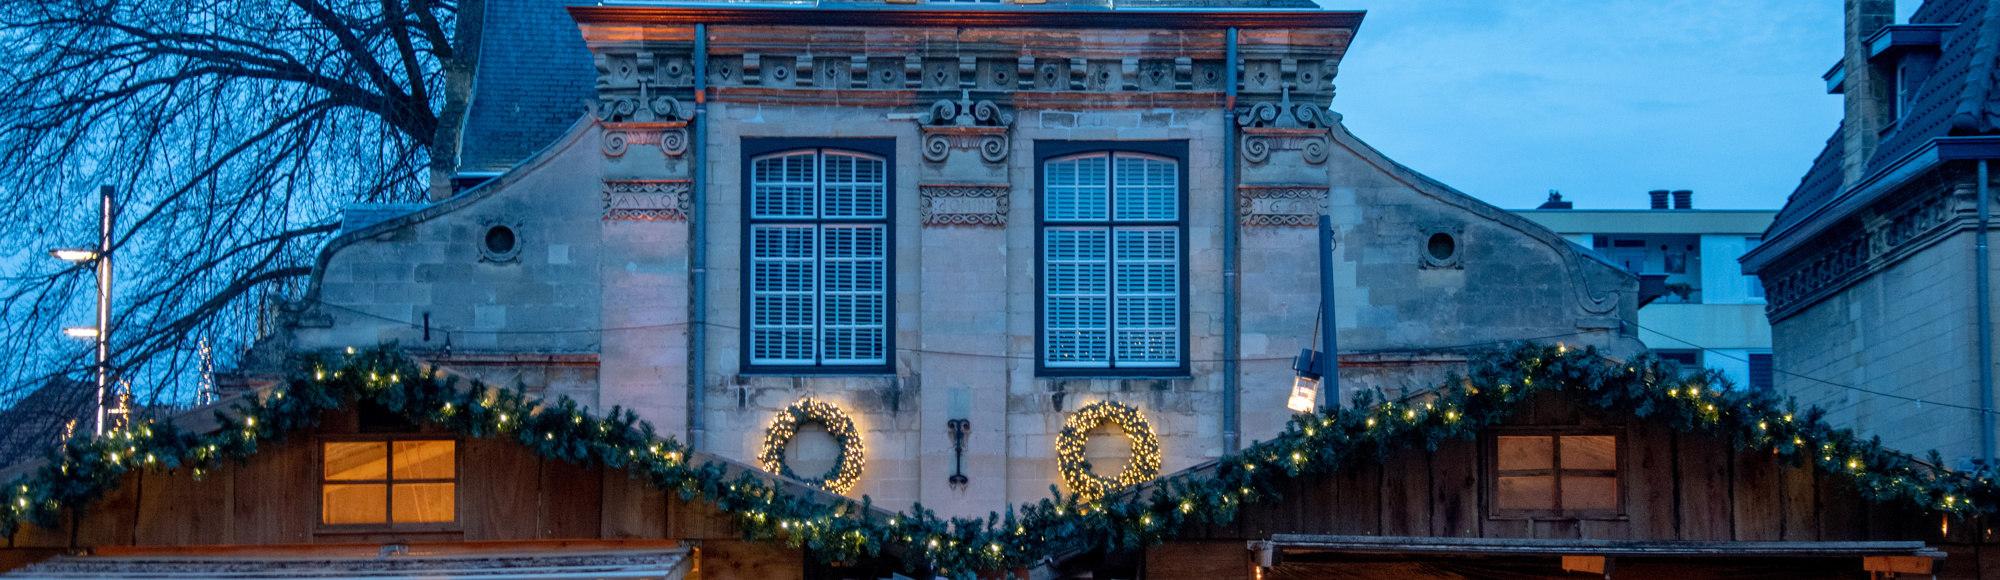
column 817, row 265
column 1113, row 265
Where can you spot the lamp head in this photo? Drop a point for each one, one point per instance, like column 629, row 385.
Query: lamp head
column 74, row 255
column 81, row 332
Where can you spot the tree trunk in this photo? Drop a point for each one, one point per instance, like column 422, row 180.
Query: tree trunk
column 458, row 74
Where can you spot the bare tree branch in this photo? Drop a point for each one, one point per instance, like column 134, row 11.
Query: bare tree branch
column 235, row 131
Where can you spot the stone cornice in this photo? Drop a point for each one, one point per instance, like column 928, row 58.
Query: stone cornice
column 1013, row 17
column 1867, row 244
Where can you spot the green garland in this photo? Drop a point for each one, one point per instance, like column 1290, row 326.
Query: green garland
column 84, row 468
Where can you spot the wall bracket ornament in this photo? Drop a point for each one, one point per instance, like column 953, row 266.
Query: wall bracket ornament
column 1285, row 125
column 969, row 205
column 646, row 200
column 1281, row 205
column 965, row 125
column 670, row 137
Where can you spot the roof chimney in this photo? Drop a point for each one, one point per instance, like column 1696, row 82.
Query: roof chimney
column 1865, row 87
column 1659, row 198
column 1683, row 199
column 1555, row 201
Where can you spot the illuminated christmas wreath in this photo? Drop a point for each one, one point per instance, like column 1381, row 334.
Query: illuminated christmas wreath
column 845, row 472
column 1145, row 463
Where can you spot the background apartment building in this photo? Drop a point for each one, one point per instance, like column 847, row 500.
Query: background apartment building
column 1697, row 307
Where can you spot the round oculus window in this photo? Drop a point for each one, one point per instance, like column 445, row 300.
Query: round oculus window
column 1442, row 247
column 500, row 240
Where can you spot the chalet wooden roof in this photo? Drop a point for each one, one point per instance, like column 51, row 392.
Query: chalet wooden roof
column 456, row 560
column 1306, row 543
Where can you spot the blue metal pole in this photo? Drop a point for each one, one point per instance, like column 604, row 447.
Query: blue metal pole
column 1329, row 363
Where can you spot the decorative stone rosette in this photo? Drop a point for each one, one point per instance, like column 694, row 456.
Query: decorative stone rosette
column 1145, row 463
column 646, row 200
column 1281, row 206
column 971, row 205
column 841, row 478
column 965, row 125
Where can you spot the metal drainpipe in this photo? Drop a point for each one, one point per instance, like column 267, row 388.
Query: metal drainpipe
column 1985, row 307
column 698, row 248
column 1231, row 340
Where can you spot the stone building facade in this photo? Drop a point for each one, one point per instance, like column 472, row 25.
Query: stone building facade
column 959, row 224
column 1873, row 267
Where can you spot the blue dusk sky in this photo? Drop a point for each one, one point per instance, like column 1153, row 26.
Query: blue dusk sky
column 1601, row 99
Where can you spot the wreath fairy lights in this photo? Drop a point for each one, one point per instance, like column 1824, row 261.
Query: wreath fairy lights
column 1145, row 463
column 786, row 424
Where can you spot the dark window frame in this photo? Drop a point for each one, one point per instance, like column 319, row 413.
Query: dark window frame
column 753, row 147
column 389, row 497
column 1490, row 445
column 1045, row 150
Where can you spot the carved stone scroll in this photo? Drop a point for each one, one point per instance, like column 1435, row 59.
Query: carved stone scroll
column 1285, row 125
column 966, row 125
column 1281, row 206
column 646, row 200
column 973, row 205
column 672, row 137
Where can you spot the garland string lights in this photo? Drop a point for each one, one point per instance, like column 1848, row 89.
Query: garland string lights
column 84, row 467
column 786, row 424
column 1076, row 469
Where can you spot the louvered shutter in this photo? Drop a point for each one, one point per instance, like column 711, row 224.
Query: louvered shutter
column 819, row 277
column 1148, row 189
column 1149, row 297
column 1112, row 271
column 783, row 294
column 1077, row 297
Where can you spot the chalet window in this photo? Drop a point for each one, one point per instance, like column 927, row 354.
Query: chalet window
column 817, row 257
column 1113, row 264
column 1556, row 474
column 388, row 482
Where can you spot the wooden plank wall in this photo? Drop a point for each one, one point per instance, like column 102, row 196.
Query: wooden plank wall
column 505, row 493
column 1678, row 486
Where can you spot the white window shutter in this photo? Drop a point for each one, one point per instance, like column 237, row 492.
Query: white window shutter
column 819, row 279
column 1075, row 189
column 1076, row 300
column 784, row 301
column 1148, row 188
column 1148, row 308
column 853, row 286
column 784, row 186
column 853, row 186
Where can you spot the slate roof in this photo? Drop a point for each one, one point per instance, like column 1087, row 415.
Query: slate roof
column 1819, row 185
column 35, row 421
column 534, row 75
column 1934, row 111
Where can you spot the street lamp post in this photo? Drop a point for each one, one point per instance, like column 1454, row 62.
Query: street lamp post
column 102, row 331
column 1329, row 365
column 1318, row 377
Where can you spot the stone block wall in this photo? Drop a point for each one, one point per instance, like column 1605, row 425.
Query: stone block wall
column 1906, row 329
column 376, row 285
